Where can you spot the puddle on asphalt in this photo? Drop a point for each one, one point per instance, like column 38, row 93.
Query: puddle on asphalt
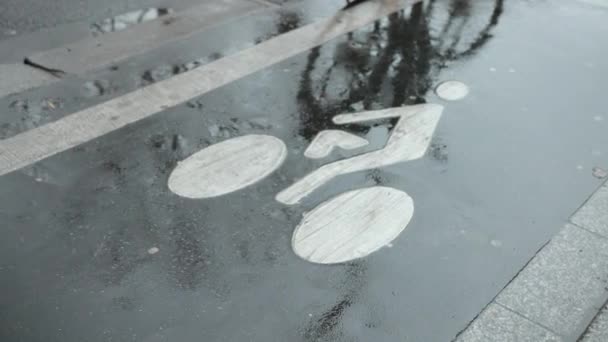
column 125, row 20
column 394, row 62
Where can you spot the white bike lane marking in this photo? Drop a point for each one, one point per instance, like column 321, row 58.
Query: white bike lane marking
column 47, row 140
column 326, row 141
column 347, row 227
column 227, row 166
column 452, row 90
column 352, row 225
column 408, row 141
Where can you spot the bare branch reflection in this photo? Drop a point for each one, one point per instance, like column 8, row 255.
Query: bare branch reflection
column 392, row 63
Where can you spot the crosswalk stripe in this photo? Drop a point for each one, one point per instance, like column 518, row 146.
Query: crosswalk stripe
column 42, row 142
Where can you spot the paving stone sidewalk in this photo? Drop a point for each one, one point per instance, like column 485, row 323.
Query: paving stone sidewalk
column 561, row 294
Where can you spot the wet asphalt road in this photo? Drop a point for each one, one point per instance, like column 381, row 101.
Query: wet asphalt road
column 506, row 168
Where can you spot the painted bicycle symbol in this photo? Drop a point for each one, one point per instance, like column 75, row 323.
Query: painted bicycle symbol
column 349, row 226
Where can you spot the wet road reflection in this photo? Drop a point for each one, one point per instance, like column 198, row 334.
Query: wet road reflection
column 393, row 63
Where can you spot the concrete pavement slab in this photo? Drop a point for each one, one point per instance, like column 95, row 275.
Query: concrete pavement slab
column 562, row 286
column 498, row 324
column 593, row 215
column 598, row 330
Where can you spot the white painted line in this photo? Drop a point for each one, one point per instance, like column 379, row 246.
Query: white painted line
column 352, row 225
column 228, row 166
column 409, row 140
column 325, row 142
column 94, row 53
column 42, row 142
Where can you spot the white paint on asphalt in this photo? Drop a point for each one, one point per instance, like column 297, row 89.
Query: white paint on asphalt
column 153, row 250
column 227, row 166
column 452, row 90
column 409, row 140
column 325, row 142
column 352, row 225
column 47, row 140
